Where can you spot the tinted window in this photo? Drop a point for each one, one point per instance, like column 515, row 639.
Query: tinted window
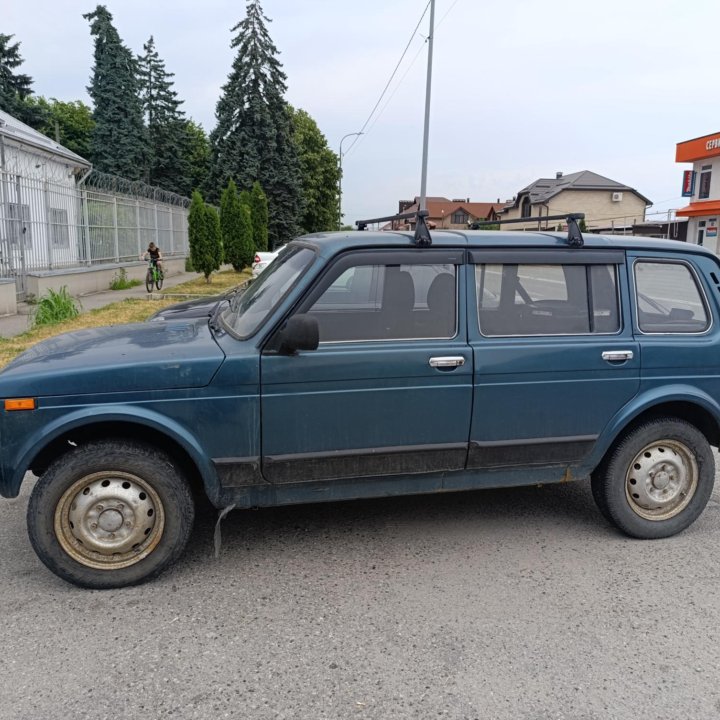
column 668, row 299
column 547, row 299
column 388, row 302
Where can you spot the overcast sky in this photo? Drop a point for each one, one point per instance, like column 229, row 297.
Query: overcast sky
column 521, row 89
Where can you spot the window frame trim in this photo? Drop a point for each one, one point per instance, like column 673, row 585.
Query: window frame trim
column 548, row 259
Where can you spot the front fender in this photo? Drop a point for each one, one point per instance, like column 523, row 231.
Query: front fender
column 46, row 433
column 643, row 402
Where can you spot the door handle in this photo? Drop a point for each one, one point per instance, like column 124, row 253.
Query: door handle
column 449, row 361
column 617, row 355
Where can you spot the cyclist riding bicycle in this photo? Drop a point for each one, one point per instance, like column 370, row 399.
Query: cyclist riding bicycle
column 155, row 256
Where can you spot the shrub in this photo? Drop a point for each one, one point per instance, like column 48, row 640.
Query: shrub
column 121, row 281
column 55, row 307
column 188, row 265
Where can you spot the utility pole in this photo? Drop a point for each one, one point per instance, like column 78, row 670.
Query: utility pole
column 340, row 157
column 423, row 180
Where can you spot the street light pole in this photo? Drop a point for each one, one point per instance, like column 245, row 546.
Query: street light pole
column 340, row 157
column 426, row 130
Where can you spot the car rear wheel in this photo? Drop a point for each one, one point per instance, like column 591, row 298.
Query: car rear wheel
column 109, row 514
column 657, row 480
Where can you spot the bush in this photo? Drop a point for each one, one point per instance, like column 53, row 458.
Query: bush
column 188, row 265
column 121, row 281
column 55, row 307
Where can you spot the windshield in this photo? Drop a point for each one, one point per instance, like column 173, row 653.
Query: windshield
column 248, row 310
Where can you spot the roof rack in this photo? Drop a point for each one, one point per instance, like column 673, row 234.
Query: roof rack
column 422, row 232
column 574, row 237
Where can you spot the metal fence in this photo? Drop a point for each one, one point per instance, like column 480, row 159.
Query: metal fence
column 60, row 224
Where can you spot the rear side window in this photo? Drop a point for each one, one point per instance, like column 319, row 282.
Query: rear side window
column 668, row 298
column 552, row 299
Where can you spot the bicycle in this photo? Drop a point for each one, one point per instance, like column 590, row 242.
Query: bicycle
column 154, row 276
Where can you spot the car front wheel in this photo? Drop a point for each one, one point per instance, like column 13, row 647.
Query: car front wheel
column 109, row 514
column 657, row 480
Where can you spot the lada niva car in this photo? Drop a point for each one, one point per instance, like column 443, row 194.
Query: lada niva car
column 363, row 365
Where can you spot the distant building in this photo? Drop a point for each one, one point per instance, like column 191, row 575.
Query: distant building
column 605, row 202
column 447, row 214
column 39, row 212
column 698, row 185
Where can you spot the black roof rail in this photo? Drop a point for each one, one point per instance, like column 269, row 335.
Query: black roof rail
column 574, row 238
column 422, row 232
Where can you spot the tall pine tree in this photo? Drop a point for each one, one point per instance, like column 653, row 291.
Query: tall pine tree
column 15, row 87
column 253, row 137
column 118, row 140
column 167, row 162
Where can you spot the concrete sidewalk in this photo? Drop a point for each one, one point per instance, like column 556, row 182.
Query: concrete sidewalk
column 12, row 325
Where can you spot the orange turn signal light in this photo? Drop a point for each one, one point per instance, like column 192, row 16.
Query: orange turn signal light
column 20, row 404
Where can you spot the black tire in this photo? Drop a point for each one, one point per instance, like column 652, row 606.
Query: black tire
column 149, row 281
column 109, row 514
column 656, row 480
column 159, row 281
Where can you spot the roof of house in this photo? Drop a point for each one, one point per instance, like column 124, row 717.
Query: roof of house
column 439, row 207
column 544, row 189
column 12, row 129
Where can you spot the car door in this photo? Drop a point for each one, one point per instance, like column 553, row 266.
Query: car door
column 388, row 392
column 554, row 353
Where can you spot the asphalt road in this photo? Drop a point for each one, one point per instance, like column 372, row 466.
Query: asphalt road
column 518, row 604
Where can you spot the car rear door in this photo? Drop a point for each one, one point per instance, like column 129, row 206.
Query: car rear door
column 554, row 353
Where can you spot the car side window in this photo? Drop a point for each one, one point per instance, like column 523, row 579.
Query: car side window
column 668, row 299
column 388, row 302
column 551, row 299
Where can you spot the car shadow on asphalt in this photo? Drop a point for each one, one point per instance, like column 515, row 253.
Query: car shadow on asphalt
column 540, row 510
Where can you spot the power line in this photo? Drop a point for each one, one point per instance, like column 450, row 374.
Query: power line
column 360, row 138
column 394, row 72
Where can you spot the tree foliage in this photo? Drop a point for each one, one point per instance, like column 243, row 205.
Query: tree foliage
column 118, row 139
column 15, row 87
column 204, row 245
column 69, row 123
column 253, row 137
column 259, row 214
column 214, row 235
column 320, row 171
column 198, row 156
column 236, row 226
column 168, row 142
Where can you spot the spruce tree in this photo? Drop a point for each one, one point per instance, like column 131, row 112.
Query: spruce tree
column 259, row 213
column 168, row 147
column 253, row 137
column 15, row 87
column 118, row 140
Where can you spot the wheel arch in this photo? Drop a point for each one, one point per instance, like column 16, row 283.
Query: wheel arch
column 698, row 409
column 176, row 442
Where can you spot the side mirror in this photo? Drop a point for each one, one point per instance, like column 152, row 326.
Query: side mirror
column 301, row 332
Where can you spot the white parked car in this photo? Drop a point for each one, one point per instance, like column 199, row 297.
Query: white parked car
column 261, row 261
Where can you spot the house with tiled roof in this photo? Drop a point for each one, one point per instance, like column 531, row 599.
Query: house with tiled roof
column 605, row 202
column 444, row 213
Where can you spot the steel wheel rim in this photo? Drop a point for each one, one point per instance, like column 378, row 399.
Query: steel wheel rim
column 661, row 480
column 109, row 520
